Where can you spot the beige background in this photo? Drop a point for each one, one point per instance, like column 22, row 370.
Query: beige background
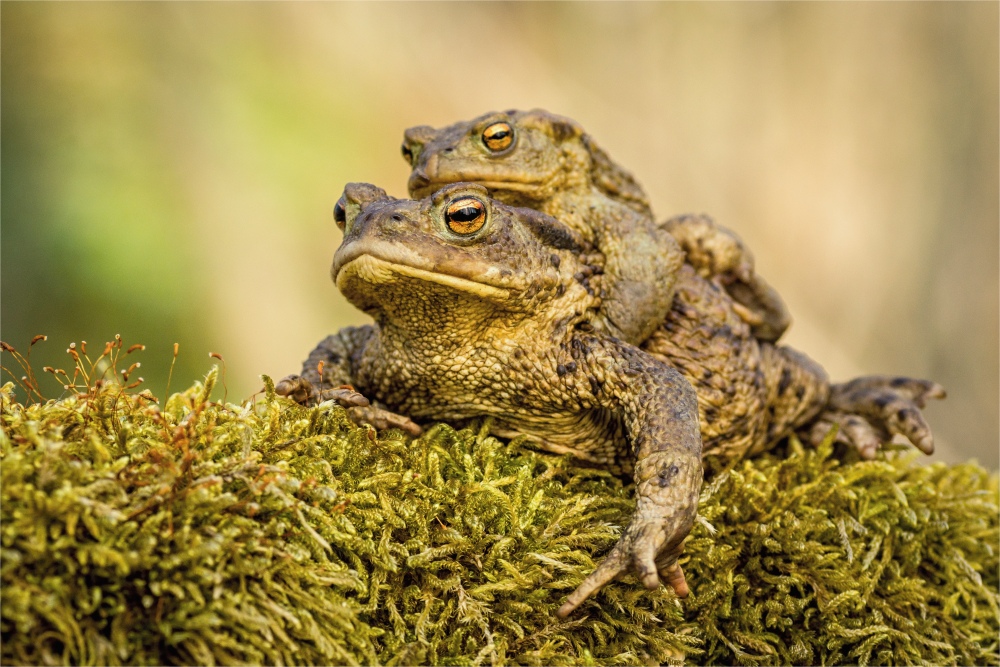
column 169, row 169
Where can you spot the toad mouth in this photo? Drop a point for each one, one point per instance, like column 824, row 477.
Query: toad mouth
column 428, row 186
column 375, row 270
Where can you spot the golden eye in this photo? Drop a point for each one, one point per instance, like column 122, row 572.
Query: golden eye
column 466, row 215
column 340, row 214
column 408, row 154
column 498, row 136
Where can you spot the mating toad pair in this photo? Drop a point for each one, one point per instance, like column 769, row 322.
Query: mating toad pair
column 529, row 281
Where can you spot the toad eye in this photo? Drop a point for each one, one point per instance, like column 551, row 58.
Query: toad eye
column 340, row 214
column 408, row 154
column 466, row 215
column 498, row 136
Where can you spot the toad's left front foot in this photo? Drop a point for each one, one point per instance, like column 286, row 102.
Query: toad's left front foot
column 649, row 548
column 667, row 492
column 870, row 410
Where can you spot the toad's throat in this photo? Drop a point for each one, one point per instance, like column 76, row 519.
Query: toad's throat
column 379, row 271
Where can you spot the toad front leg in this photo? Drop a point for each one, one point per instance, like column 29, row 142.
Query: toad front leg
column 659, row 410
column 640, row 272
column 330, row 373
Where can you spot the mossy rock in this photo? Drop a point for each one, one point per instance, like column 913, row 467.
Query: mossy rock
column 204, row 533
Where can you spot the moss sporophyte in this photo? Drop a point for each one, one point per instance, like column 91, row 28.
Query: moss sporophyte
column 192, row 531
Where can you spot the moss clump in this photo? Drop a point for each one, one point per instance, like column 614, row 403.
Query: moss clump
column 270, row 533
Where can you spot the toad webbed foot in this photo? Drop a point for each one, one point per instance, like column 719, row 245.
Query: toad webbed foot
column 359, row 409
column 713, row 250
column 719, row 255
column 869, row 411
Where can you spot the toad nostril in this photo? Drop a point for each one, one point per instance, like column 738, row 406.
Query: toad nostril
column 396, row 217
column 448, row 150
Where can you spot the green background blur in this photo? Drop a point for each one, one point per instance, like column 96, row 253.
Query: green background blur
column 168, row 170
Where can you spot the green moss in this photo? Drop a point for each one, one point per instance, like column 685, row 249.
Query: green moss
column 270, row 533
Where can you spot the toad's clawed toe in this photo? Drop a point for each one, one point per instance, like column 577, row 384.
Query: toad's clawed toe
column 616, row 563
column 382, row 419
column 915, row 389
column 296, row 388
column 852, row 430
column 345, row 396
column 673, row 576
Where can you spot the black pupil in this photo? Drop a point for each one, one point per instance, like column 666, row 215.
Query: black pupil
column 498, row 135
column 465, row 214
column 338, row 212
column 407, row 153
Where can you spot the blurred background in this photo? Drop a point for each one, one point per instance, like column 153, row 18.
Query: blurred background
column 169, row 169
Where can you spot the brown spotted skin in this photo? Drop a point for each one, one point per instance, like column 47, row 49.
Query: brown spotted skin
column 499, row 323
column 552, row 165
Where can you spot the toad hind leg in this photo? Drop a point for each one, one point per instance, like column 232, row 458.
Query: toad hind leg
column 711, row 249
column 870, row 410
column 719, row 255
column 661, row 421
column 769, row 317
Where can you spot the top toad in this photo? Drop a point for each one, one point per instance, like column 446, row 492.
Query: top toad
column 547, row 162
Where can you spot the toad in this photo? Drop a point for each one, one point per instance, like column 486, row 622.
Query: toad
column 547, row 162
column 482, row 309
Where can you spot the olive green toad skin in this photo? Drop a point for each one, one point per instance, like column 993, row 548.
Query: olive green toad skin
column 547, row 162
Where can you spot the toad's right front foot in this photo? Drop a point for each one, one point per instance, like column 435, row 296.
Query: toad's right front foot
column 304, row 392
column 359, row 409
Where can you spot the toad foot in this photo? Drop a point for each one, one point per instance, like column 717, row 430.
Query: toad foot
column 870, row 410
column 636, row 550
column 359, row 409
